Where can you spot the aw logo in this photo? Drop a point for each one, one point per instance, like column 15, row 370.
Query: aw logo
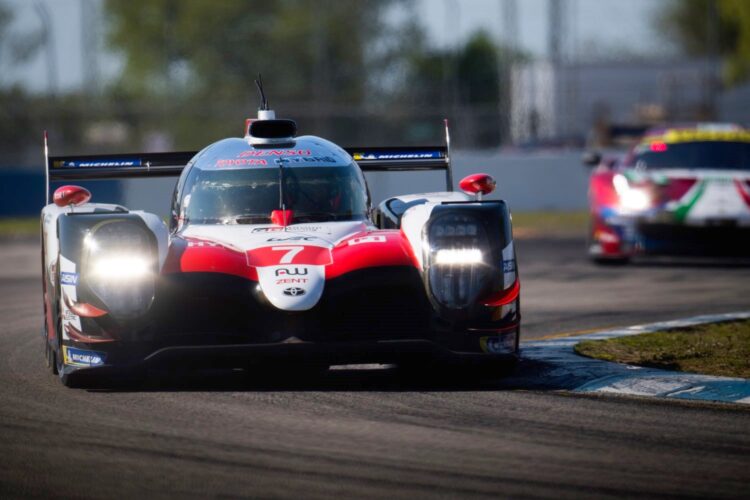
column 291, row 271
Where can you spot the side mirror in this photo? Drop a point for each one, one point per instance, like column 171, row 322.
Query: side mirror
column 591, row 158
column 478, row 184
column 71, row 195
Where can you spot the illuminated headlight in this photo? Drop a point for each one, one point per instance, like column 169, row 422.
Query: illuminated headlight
column 120, row 268
column 458, row 256
column 631, row 198
column 456, row 252
column 635, row 199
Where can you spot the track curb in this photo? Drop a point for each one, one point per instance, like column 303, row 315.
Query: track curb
column 561, row 367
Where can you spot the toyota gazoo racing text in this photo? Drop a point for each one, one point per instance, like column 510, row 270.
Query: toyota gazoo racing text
column 679, row 191
column 272, row 254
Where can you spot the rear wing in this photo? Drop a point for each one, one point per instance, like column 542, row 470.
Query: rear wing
column 140, row 165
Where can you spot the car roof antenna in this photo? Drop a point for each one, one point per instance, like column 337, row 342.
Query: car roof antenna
column 264, row 112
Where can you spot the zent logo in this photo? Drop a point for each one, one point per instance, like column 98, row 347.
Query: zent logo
column 291, row 281
column 294, row 292
column 291, row 271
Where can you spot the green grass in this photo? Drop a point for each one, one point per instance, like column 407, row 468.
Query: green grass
column 551, row 222
column 19, row 227
column 714, row 349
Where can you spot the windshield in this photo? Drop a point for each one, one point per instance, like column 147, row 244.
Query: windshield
column 718, row 155
column 247, row 196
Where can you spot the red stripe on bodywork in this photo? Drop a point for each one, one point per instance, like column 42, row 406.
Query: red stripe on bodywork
column 676, row 188
column 744, row 189
column 77, row 335
column 191, row 255
column 51, row 330
column 362, row 250
column 503, row 297
column 371, row 249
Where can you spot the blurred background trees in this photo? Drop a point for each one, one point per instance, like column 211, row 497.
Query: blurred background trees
column 711, row 28
column 362, row 71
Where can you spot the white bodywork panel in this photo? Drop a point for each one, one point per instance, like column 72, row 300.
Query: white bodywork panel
column 52, row 212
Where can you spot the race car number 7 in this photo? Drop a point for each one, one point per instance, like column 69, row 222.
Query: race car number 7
column 291, row 252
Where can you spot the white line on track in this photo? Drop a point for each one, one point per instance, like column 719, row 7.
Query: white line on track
column 580, row 374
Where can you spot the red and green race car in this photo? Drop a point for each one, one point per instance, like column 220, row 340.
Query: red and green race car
column 682, row 190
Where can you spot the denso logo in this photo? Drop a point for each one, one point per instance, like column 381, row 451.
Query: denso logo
column 291, row 271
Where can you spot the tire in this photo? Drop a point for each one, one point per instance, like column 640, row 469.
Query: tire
column 50, row 357
column 65, row 378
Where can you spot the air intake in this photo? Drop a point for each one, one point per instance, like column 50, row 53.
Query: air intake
column 269, row 132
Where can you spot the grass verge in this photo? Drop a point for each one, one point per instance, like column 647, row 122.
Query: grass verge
column 20, row 227
column 713, row 349
column 526, row 224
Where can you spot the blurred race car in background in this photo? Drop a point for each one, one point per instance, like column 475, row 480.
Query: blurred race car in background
column 272, row 255
column 682, row 190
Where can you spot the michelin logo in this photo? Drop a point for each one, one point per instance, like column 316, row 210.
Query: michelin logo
column 80, row 357
column 68, row 278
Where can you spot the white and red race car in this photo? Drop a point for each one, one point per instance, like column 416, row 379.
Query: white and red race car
column 272, row 254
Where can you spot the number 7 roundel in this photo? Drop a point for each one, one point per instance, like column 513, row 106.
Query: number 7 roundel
column 289, row 254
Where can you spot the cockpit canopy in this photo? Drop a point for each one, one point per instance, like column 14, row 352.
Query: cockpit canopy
column 233, row 183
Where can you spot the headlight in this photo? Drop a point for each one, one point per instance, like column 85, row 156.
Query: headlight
column 458, row 256
column 457, row 271
column 120, row 266
column 631, row 198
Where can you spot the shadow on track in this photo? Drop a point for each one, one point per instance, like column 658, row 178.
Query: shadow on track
column 388, row 378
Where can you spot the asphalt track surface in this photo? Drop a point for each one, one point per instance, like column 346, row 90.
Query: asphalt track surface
column 374, row 433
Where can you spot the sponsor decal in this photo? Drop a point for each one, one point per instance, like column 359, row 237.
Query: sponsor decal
column 509, row 266
column 239, row 162
column 68, row 278
column 293, row 238
column 128, row 162
column 69, row 315
column 291, row 281
column 296, row 229
column 291, row 271
column 367, row 239
column 385, row 155
column 674, row 136
column 311, row 159
column 201, row 243
column 82, row 357
column 294, row 292
column 275, row 152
